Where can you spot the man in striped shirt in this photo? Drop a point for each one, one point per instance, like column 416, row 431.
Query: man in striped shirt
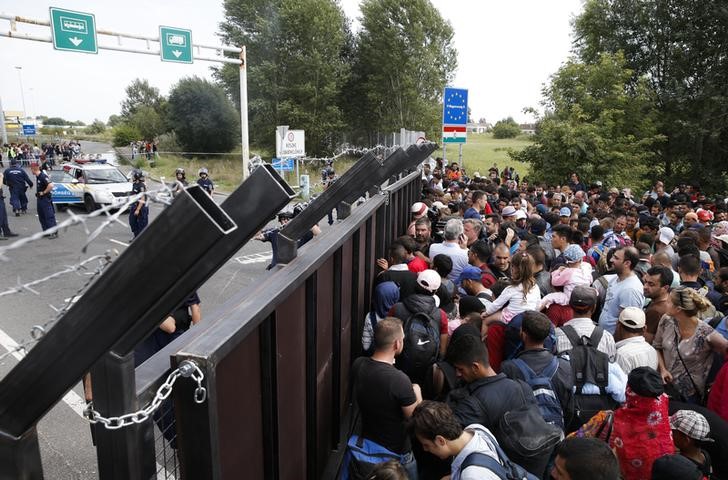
column 632, row 349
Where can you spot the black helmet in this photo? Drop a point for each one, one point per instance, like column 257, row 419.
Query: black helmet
column 285, row 215
column 137, row 174
column 298, row 208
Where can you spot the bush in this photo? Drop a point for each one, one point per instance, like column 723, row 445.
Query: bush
column 167, row 142
column 124, row 134
column 506, row 128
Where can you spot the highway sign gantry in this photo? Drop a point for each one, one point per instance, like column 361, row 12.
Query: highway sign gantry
column 73, row 31
column 175, row 44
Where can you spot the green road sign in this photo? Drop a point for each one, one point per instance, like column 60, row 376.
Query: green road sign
column 175, row 44
column 454, row 140
column 73, row 31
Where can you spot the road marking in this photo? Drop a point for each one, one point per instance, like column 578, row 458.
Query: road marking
column 72, row 399
column 254, row 258
column 118, row 242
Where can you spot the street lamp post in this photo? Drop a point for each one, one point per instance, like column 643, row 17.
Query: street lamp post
column 22, row 93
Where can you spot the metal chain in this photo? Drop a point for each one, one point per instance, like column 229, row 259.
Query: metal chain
column 187, row 369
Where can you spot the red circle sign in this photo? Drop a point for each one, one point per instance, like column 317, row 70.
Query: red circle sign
column 290, row 136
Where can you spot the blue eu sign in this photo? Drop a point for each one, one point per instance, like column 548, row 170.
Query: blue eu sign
column 455, row 106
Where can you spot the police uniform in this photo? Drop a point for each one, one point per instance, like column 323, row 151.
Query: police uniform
column 4, row 228
column 138, row 222
column 46, row 212
column 206, row 184
column 18, row 182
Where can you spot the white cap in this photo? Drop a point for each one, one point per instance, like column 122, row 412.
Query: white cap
column 429, row 280
column 632, row 317
column 520, row 214
column 418, row 209
column 665, row 235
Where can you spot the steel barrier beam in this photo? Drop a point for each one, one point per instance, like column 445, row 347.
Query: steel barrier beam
column 251, row 207
column 110, row 307
column 367, row 173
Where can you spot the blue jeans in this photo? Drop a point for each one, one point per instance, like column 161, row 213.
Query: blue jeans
column 410, row 465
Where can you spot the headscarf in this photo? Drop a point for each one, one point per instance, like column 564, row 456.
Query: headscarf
column 386, row 294
column 641, row 434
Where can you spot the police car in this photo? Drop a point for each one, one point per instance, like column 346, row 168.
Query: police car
column 90, row 185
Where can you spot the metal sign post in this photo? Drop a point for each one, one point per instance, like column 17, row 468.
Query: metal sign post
column 77, row 32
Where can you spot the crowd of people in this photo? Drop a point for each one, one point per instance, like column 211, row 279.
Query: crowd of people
column 27, row 153
column 546, row 331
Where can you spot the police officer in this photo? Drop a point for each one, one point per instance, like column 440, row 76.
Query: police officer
column 43, row 187
column 181, row 178
column 18, row 182
column 271, row 234
column 205, row 182
column 138, row 211
column 4, row 228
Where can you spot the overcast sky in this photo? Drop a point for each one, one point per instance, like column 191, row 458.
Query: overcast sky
column 507, row 49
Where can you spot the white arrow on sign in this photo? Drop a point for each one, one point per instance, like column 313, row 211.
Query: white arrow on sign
column 76, row 41
column 176, row 53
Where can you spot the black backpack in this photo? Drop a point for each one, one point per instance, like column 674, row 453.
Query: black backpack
column 421, row 346
column 589, row 365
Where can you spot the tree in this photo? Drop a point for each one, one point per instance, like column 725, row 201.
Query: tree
column 113, row 121
column 202, row 116
column 403, row 59
column 506, row 128
column 148, row 122
column 298, row 69
column 596, row 124
column 56, row 121
column 140, row 94
column 96, row 127
column 125, row 133
column 679, row 49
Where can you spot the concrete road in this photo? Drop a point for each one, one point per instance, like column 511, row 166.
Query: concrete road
column 64, row 435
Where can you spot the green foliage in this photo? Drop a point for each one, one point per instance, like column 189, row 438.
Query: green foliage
column 402, row 61
column 140, row 94
column 148, row 122
column 506, row 128
column 202, row 116
column 597, row 124
column 114, row 120
column 96, row 127
column 677, row 49
column 125, row 133
column 298, row 69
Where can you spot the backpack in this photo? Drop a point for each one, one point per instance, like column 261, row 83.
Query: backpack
column 590, row 366
column 507, row 471
column 362, row 456
column 528, row 439
column 421, row 346
column 543, row 390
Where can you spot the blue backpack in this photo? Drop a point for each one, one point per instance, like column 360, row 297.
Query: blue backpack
column 362, row 456
column 543, row 390
column 507, row 471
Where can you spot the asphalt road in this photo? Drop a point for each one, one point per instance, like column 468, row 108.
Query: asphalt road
column 64, row 435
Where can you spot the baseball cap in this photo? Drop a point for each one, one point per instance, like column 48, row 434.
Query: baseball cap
column 470, row 273
column 705, row 215
column 508, row 211
column 438, row 205
column 632, row 317
column 521, row 215
column 565, row 212
column 692, row 424
column 541, row 208
column 429, row 280
column 418, row 209
column 666, row 235
column 583, row 296
column 573, row 253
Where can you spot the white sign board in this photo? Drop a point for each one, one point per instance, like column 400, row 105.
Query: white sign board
column 291, row 144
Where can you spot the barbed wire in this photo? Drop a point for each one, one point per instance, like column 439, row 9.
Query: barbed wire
column 162, row 195
column 37, row 331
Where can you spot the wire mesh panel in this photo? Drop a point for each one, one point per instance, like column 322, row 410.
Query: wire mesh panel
column 165, row 443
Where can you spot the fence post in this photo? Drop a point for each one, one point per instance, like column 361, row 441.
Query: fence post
column 119, row 451
column 20, row 456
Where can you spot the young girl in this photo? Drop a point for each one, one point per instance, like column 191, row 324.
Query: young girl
column 574, row 273
column 521, row 295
